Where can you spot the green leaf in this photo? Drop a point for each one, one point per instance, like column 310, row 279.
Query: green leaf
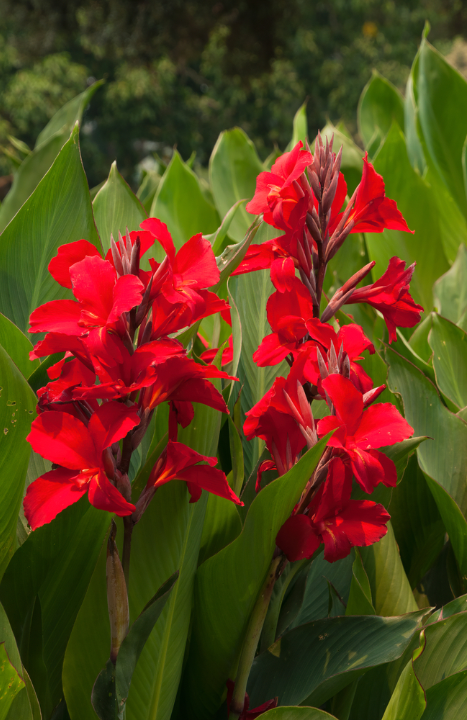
column 412, row 122
column 444, row 459
column 322, row 573
column 250, row 293
column 148, row 188
column 442, row 122
column 69, row 114
column 380, row 103
column 390, row 589
column 327, row 655
column 300, row 128
column 36, row 593
column 400, row 452
column 297, row 713
column 233, row 168
column 58, row 211
column 234, row 254
column 359, row 602
column 116, row 208
column 220, row 240
column 445, row 651
column 450, row 291
column 48, row 145
column 17, row 346
column 415, row 199
column 408, row 699
column 180, row 203
column 10, row 682
column 449, row 345
column 227, row 586
column 447, row 700
column 17, row 407
column 222, row 525
column 111, row 689
column 418, row 527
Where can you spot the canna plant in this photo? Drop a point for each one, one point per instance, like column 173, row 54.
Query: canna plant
column 205, row 422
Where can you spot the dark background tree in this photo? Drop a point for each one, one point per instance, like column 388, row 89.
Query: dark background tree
column 180, row 71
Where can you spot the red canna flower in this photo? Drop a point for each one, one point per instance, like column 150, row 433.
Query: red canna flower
column 372, row 211
column 68, row 255
column 227, row 355
column 278, row 192
column 102, row 298
column 333, row 519
column 361, row 430
column 246, row 713
column 79, row 450
column 179, row 462
column 390, row 295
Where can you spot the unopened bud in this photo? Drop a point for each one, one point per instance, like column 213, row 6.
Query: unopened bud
column 117, row 596
column 372, row 394
column 323, row 370
column 116, row 256
column 135, row 257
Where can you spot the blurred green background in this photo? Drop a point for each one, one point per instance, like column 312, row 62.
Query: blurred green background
column 179, row 71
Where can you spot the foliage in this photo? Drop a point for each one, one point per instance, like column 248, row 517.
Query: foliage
column 218, row 591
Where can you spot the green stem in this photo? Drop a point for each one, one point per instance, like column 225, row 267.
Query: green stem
column 250, row 644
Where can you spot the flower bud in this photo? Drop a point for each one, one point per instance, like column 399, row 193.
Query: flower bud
column 117, row 596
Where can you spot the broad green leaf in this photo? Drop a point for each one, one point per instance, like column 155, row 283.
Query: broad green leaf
column 59, row 211
column 69, row 114
column 380, row 103
column 445, row 651
column 17, row 346
column 327, row 655
column 400, row 452
column 447, row 700
column 250, row 293
column 219, row 240
column 180, row 203
column 443, row 459
column 116, row 208
column 111, row 689
column 441, row 96
column 458, row 605
column 17, row 407
column 222, row 525
column 36, row 593
column 300, row 128
column 292, row 571
column 297, row 713
column 48, row 145
column 415, row 200
column 412, row 122
column 407, row 351
column 390, row 589
column 10, row 682
column 450, row 291
column 360, row 601
column 419, row 339
column 148, row 188
column 452, row 221
column 227, row 586
column 233, row 168
column 315, row 603
column 234, row 254
column 408, row 699
column 352, row 155
column 449, row 345
column 22, row 703
column 417, row 524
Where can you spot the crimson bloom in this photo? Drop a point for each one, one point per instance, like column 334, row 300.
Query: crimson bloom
column 102, row 298
column 360, row 431
column 179, row 462
column 372, row 210
column 333, row 519
column 79, row 451
column 278, row 192
column 390, row 295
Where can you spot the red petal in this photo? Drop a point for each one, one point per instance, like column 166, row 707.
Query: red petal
column 195, row 264
column 297, row 539
column 127, row 294
column 50, row 494
column 111, row 422
column 93, row 282
column 361, row 524
column 68, row 255
column 64, row 440
column 159, row 230
column 58, row 316
column 105, row 496
column 381, row 425
column 346, row 399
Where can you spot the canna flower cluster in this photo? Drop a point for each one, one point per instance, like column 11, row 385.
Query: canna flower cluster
column 303, row 197
column 120, row 364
